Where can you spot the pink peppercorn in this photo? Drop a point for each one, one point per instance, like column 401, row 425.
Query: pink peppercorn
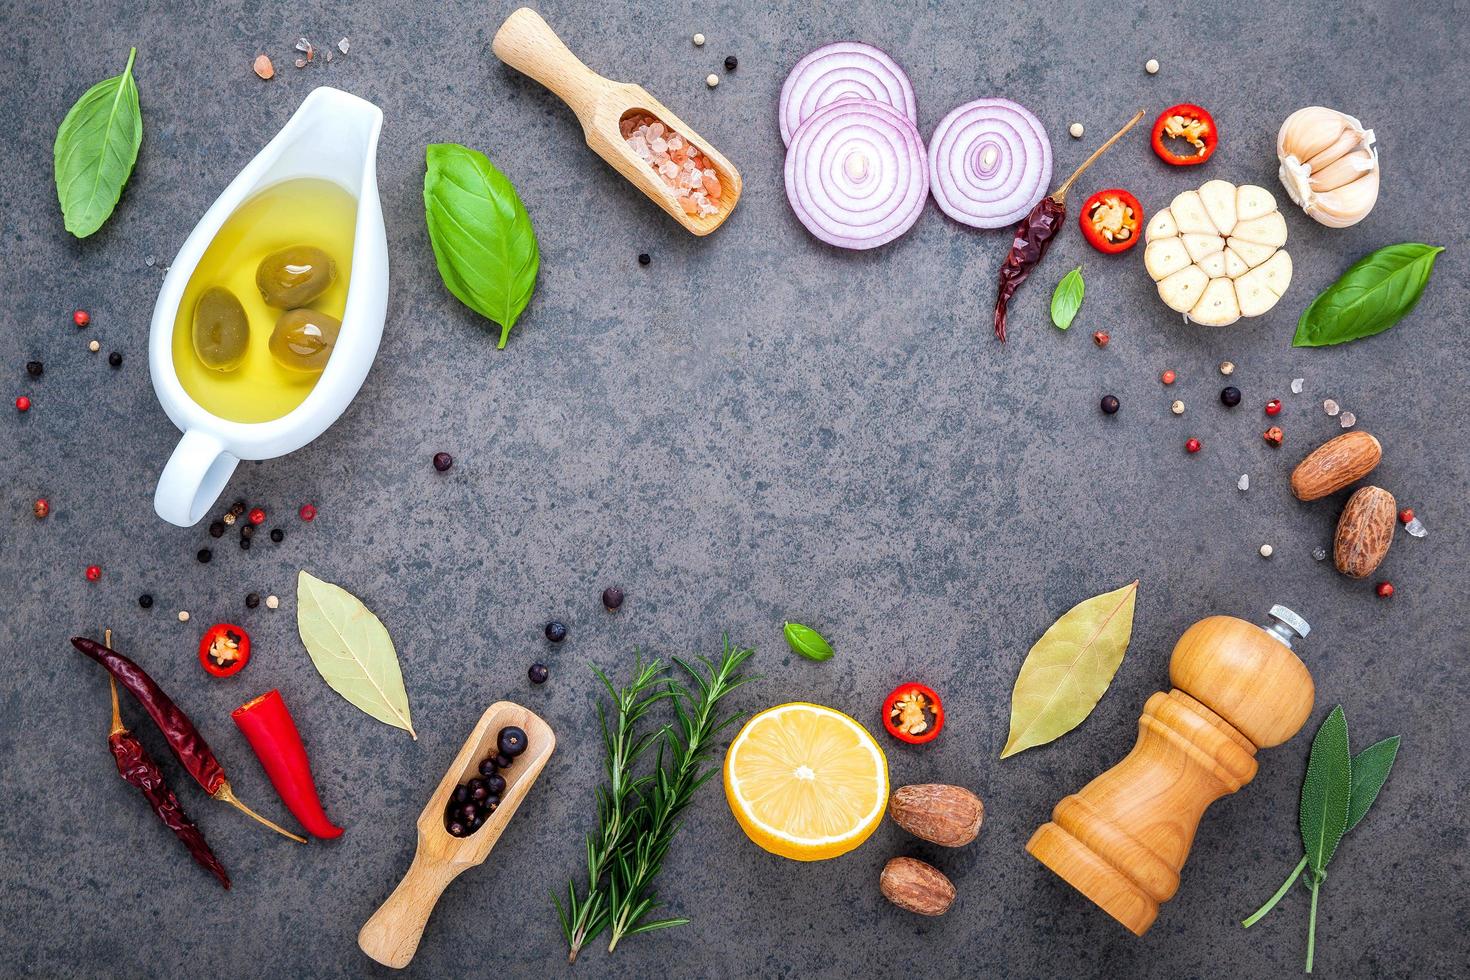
column 1273, row 407
column 94, row 572
column 1192, row 446
column 1167, row 377
column 1385, row 590
column 1406, row 515
column 307, row 512
column 23, row 404
column 257, row 515
column 81, row 318
column 41, row 508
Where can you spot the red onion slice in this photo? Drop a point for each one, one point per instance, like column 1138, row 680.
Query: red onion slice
column 989, row 163
column 855, row 174
column 845, row 70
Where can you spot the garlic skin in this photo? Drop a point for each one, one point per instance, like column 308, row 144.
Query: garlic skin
column 1328, row 165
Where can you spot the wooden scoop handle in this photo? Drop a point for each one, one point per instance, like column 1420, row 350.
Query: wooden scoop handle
column 392, row 935
column 529, row 45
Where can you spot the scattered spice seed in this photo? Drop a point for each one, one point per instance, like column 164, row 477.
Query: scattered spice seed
column 712, row 79
column 252, row 599
column 35, row 368
column 644, row 258
column 145, row 601
column 442, row 462
column 237, row 508
column 1406, row 515
column 217, row 529
column 204, row 555
column 1385, row 590
column 94, row 346
column 1076, row 130
column 42, row 507
column 1177, row 408
column 183, row 615
column 247, row 530
column 115, row 359
column 538, row 673
column 264, row 68
column 1273, row 435
column 271, row 602
column 277, row 535
column 1151, row 66
column 699, row 40
column 1192, row 446
column 1109, row 404
column 1101, row 338
column 730, row 63
column 257, row 516
column 612, row 598
column 94, row 572
column 1230, row 396
column 307, row 512
column 23, row 404
column 556, row 632
column 1227, row 368
column 1266, row 551
column 1273, row 407
column 1167, row 377
column 228, row 519
column 81, row 318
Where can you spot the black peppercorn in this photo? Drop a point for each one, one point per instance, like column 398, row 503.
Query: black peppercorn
column 237, row 508
column 204, row 555
column 145, row 600
column 556, row 632
column 502, row 761
column 442, row 461
column 1109, row 404
column 1230, row 396
column 538, row 673
column 730, row 63
column 612, row 598
column 247, row 530
column 217, row 529
column 277, row 535
column 35, row 368
column 252, row 599
column 511, row 741
column 644, row 258
column 115, row 359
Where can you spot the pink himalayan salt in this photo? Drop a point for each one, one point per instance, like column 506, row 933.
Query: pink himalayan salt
column 678, row 162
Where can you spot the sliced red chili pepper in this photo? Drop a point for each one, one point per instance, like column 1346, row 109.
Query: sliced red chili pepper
column 1111, row 220
column 913, row 713
column 224, row 649
column 272, row 733
column 1191, row 124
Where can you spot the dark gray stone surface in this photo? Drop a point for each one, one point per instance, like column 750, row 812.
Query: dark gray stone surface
column 752, row 428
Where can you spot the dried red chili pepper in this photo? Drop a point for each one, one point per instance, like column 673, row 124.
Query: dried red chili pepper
column 1111, row 220
column 1186, row 122
column 913, row 713
column 183, row 738
column 224, row 650
column 137, row 768
column 1036, row 231
column 272, row 733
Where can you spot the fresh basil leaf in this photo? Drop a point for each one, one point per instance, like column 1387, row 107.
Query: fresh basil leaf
column 96, row 147
column 1326, row 791
column 1066, row 300
column 483, row 241
column 1370, row 770
column 807, row 642
column 1378, row 291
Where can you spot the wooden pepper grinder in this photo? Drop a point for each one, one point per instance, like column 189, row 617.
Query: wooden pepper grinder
column 1123, row 838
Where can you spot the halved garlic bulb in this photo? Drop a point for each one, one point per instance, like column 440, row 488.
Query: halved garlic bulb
column 1328, row 165
column 1216, row 253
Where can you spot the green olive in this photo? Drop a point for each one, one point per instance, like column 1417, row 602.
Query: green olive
column 303, row 339
column 221, row 330
column 294, row 276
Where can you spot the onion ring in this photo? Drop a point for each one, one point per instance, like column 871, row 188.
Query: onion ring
column 989, row 163
column 844, row 70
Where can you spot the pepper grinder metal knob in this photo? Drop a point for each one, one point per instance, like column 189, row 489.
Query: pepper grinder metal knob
column 1124, row 837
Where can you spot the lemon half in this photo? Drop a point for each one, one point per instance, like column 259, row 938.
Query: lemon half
column 806, row 782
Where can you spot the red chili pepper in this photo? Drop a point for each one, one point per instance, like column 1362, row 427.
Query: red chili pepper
column 1185, row 122
column 1111, row 220
column 272, row 733
column 224, row 650
column 913, row 713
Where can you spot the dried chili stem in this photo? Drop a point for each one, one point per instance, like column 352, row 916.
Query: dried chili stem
column 227, row 794
column 1060, row 196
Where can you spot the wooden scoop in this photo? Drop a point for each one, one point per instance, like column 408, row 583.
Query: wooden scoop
column 392, row 935
column 526, row 43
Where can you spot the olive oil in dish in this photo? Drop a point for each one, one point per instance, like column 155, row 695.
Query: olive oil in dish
column 260, row 314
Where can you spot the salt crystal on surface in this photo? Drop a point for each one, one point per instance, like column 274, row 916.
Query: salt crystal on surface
column 1348, row 420
column 1330, row 407
column 343, row 45
column 302, row 44
column 1416, row 528
column 300, row 62
column 1244, row 482
column 1296, row 385
column 1320, row 554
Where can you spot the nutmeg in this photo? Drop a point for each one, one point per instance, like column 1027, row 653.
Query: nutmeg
column 915, row 886
column 1335, row 464
column 946, row 815
column 1364, row 532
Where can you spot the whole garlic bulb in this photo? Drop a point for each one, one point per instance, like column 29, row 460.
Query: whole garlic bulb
column 1328, row 165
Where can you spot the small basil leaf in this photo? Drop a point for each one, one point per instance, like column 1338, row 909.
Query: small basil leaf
column 483, row 241
column 96, row 147
column 1326, row 791
column 1370, row 771
column 1378, row 291
column 807, row 642
column 1067, row 299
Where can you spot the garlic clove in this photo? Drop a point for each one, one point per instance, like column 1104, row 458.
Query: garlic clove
column 1309, row 131
column 1214, row 265
column 1349, row 204
column 1259, row 289
column 1198, row 246
column 1347, row 141
column 1161, row 225
column 1252, row 202
column 1344, row 170
column 1269, row 229
column 1218, row 198
column 1252, row 253
column 1190, row 215
column 1182, row 290
column 1217, row 306
column 1235, row 266
column 1275, row 273
column 1296, row 177
column 1164, row 257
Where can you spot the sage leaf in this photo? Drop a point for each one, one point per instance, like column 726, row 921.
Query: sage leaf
column 1378, row 291
column 1066, row 300
column 483, row 241
column 1326, row 791
column 1070, row 667
column 1370, row 769
column 352, row 650
column 96, row 147
column 807, row 642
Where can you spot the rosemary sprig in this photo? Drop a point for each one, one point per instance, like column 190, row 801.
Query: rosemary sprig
column 681, row 771
column 618, row 802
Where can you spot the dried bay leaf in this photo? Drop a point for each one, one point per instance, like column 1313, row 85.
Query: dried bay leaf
column 1069, row 668
column 351, row 650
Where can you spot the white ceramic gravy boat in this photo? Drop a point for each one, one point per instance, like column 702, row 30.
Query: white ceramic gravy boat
column 333, row 136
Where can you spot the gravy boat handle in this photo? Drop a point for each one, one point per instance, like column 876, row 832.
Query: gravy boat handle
column 194, row 478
